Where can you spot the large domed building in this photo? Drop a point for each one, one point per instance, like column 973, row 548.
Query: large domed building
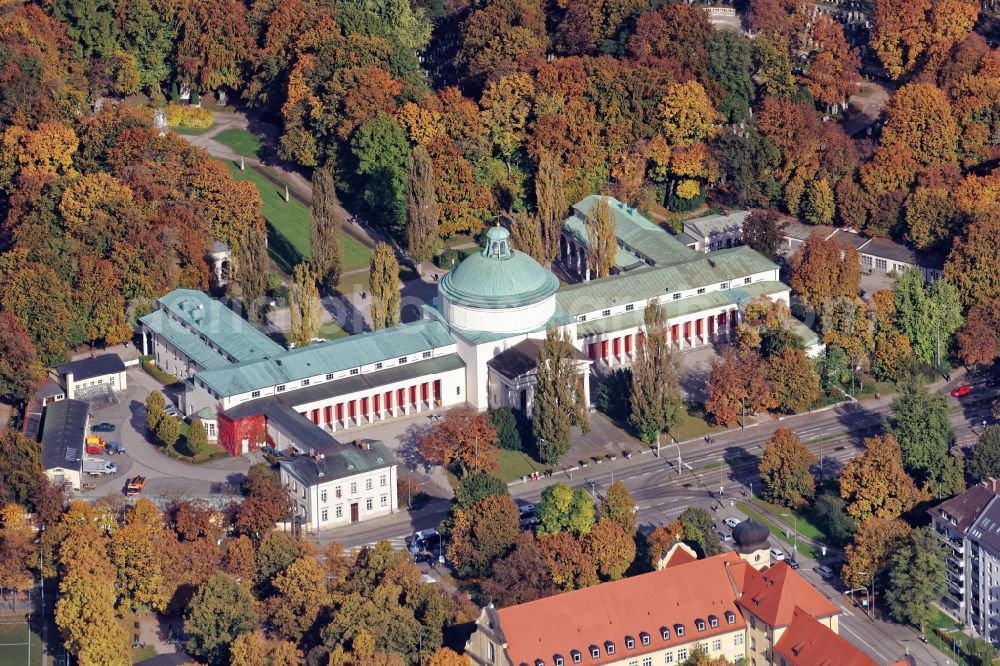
column 750, row 540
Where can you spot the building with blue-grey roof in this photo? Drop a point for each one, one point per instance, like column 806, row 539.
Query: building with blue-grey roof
column 475, row 343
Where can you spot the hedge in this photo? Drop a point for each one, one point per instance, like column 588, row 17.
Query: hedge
column 164, row 378
column 189, row 116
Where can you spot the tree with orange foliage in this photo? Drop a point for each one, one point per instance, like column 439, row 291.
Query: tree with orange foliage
column 875, row 483
column 483, row 533
column 973, row 266
column 821, row 270
column 611, row 548
column 737, row 385
column 212, row 42
column 662, row 539
column 569, row 564
column 687, row 114
column 904, row 31
column 833, row 72
column 521, row 576
column 919, row 117
column 464, row 438
column 502, row 37
column 676, row 32
column 786, row 470
column 463, row 204
column 19, row 366
column 448, row 657
column 978, row 341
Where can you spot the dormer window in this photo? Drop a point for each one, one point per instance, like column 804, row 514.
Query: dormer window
column 595, row 652
column 629, row 642
column 576, row 655
column 665, row 633
column 679, row 629
column 644, row 637
column 605, row 313
column 609, row 647
column 539, row 662
column 730, row 617
column 713, row 621
column 558, row 660
column 699, row 624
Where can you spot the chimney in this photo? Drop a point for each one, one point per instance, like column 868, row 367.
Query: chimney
column 362, row 444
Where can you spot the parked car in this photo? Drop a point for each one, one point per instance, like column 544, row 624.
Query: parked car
column 777, row 554
column 169, row 409
column 730, row 522
column 726, row 538
column 961, row 391
column 793, row 564
column 526, row 510
column 103, row 427
column 114, row 448
column 824, row 571
column 428, row 539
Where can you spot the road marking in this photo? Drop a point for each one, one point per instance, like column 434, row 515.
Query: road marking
column 870, row 646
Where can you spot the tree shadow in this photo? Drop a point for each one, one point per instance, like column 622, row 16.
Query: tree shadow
column 345, row 314
column 743, row 464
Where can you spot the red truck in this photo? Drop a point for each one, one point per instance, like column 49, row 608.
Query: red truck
column 135, row 486
column 95, row 445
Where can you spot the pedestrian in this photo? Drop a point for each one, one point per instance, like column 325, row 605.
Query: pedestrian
column 364, row 295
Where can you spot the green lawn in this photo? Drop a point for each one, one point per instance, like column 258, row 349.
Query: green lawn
column 515, row 464
column 964, row 647
column 288, row 225
column 14, row 648
column 241, row 142
column 361, row 281
column 192, row 131
column 805, row 528
column 331, row 331
column 692, row 423
column 778, row 531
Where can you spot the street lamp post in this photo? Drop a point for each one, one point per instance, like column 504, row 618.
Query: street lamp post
column 795, row 538
column 872, row 596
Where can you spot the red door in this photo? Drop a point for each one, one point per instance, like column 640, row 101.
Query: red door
column 437, row 391
column 687, row 330
column 328, row 414
column 388, row 399
column 604, row 348
column 376, row 400
column 628, row 344
column 616, row 345
column 674, row 332
column 425, row 391
column 364, row 408
column 340, row 411
column 352, row 408
column 592, row 351
column 697, row 327
column 401, row 397
column 315, row 416
column 413, row 394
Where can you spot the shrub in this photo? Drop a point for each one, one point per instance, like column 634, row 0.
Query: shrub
column 158, row 374
column 508, row 432
column 613, row 395
column 155, row 403
column 195, row 98
column 175, row 93
column 168, row 431
column 448, row 259
column 188, row 116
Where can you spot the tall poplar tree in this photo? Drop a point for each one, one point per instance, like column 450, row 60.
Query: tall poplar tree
column 656, row 392
column 325, row 229
column 601, row 238
column 304, row 306
column 559, row 402
column 526, row 233
column 421, row 206
column 384, row 275
column 550, row 197
column 250, row 255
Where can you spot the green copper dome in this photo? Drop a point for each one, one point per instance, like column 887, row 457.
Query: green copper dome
column 498, row 277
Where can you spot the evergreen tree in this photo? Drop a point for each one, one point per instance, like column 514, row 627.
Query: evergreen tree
column 559, row 397
column 985, row 462
column 197, row 437
column 304, row 306
column 220, row 612
column 421, row 205
column 508, row 430
column 656, row 393
column 550, row 197
column 384, row 274
column 325, row 229
column 155, row 404
column 250, row 258
column 921, row 424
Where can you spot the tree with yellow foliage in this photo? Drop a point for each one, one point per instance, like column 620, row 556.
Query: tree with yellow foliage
column 687, row 114
column 601, row 241
column 448, row 657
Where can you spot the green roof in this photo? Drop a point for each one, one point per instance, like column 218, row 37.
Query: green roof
column 808, row 336
column 328, row 357
column 498, row 277
column 184, row 340
column 641, row 237
column 231, row 333
column 684, row 306
column 646, row 283
column 339, row 461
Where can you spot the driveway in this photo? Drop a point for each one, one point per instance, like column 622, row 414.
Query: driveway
column 165, row 476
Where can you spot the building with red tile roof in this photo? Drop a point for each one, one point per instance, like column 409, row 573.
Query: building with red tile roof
column 809, row 642
column 721, row 604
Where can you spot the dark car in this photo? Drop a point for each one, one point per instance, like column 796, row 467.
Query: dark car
column 114, row 448
column 792, row 563
column 103, row 427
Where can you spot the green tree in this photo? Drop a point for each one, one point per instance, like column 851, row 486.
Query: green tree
column 483, row 533
column 698, row 531
column 148, row 30
column 477, row 485
column 508, row 429
column 304, row 306
column 90, row 26
column 220, row 611
column 601, row 240
column 250, row 275
column 947, row 480
column 922, row 426
column 381, row 151
column 731, row 66
column 985, row 461
column 561, row 508
column 559, row 396
column 830, row 512
column 786, row 470
column 917, row 577
column 422, row 237
column 20, row 466
column 618, row 505
column 928, row 315
column 613, row 394
column 155, row 403
column 168, row 431
column 325, row 229
column 197, row 437
column 550, row 198
column 656, row 391
column 384, row 275
column 276, row 552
